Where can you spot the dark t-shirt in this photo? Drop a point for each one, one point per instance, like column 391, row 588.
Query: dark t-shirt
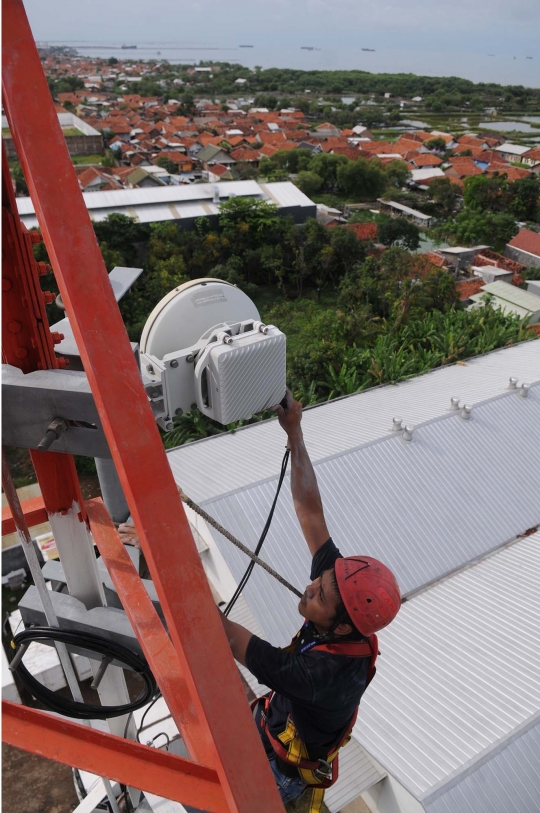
column 319, row 690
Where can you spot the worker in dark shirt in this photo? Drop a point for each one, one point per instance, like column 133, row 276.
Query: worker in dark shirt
column 317, row 681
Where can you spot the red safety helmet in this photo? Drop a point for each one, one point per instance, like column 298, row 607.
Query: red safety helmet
column 369, row 591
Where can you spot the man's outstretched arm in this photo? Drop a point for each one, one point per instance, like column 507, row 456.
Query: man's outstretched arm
column 305, row 491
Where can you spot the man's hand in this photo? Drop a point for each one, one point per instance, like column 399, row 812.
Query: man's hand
column 128, row 534
column 290, row 418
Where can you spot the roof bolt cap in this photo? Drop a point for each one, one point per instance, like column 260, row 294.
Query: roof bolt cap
column 512, row 384
column 454, row 403
column 524, row 390
column 397, row 424
column 466, row 412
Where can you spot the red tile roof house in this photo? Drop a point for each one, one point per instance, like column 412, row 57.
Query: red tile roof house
column 363, row 231
column 525, row 248
column 489, row 257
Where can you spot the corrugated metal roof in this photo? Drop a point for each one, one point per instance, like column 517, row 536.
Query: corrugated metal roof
column 285, row 193
column 458, row 490
column 153, row 203
column 357, row 773
column 508, row 782
column 209, row 468
column 458, row 678
column 508, row 308
column 513, row 294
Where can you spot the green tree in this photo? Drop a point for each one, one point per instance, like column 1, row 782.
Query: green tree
column 361, row 179
column 397, row 174
column 398, row 231
column 523, row 196
column 484, row 193
column 168, row 164
column 445, row 194
column 489, row 228
column 309, row 182
column 438, row 143
column 326, row 166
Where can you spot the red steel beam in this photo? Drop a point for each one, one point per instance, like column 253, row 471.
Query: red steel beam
column 192, row 619
column 34, row 513
column 114, row 757
column 146, row 623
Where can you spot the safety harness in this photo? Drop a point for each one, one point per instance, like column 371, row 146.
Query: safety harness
column 321, row 773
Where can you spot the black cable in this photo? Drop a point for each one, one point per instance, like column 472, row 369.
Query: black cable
column 145, row 713
column 262, row 537
column 94, row 643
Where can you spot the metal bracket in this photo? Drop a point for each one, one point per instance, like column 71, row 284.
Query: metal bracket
column 32, row 402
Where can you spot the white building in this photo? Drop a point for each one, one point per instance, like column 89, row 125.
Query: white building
column 512, row 152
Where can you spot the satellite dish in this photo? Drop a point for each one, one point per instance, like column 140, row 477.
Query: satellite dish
column 204, row 347
column 185, row 314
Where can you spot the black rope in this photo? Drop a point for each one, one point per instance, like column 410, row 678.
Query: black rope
column 94, row 643
column 262, row 537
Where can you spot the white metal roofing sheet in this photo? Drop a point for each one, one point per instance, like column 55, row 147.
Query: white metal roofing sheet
column 511, row 293
column 284, row 193
column 506, row 307
column 507, row 782
column 456, row 491
column 208, row 468
column 459, row 676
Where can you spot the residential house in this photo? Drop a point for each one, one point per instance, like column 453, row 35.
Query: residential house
column 512, row 152
column 96, row 180
column 425, row 160
column 211, row 155
column 532, row 157
column 525, row 248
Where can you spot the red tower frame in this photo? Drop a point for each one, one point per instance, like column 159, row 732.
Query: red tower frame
column 193, row 665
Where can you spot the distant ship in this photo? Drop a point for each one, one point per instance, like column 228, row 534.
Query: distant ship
column 529, row 57
column 307, row 48
column 128, row 47
column 245, row 46
column 367, row 49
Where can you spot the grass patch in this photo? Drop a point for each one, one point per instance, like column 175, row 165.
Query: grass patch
column 71, row 131
column 87, row 159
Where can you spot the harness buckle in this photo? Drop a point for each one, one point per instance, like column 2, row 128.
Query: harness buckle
column 323, row 773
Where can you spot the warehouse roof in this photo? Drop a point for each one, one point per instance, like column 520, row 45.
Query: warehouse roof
column 176, row 202
column 426, row 507
column 215, row 466
column 454, row 712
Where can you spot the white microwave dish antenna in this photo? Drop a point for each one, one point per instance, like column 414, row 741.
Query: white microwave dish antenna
column 180, row 319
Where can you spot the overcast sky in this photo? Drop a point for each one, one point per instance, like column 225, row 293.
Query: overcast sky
column 443, row 26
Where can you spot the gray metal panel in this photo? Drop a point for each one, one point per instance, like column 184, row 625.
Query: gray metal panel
column 507, row 783
column 459, row 671
column 209, row 468
column 458, row 490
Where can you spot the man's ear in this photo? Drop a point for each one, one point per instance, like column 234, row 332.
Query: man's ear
column 343, row 629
